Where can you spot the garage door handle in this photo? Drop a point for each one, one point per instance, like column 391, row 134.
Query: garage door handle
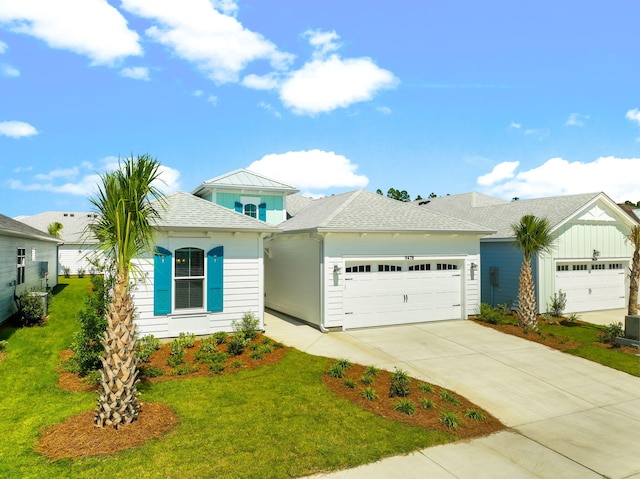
column 350, row 312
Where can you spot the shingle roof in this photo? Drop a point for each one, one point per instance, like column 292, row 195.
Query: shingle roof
column 363, row 211
column 242, row 178
column 295, row 203
column 501, row 216
column 186, row 211
column 75, row 224
column 9, row 226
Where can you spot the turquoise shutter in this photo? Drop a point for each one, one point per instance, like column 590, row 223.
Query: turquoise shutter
column 162, row 281
column 262, row 212
column 239, row 207
column 215, row 279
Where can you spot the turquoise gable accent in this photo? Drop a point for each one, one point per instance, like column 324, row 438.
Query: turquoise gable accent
column 270, row 207
column 215, row 279
column 162, row 262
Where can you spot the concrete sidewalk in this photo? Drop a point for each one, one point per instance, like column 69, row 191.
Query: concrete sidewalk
column 567, row 417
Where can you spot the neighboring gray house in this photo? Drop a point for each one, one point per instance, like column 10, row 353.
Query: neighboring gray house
column 27, row 262
column 359, row 259
column 79, row 246
column 207, row 270
column 589, row 261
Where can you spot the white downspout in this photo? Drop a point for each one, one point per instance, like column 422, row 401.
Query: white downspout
column 320, row 239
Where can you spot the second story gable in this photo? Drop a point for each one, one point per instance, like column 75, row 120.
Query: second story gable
column 248, row 193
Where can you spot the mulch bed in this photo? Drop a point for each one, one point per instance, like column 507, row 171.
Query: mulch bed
column 430, row 419
column 552, row 341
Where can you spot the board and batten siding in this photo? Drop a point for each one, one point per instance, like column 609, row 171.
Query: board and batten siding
column 576, row 240
column 275, row 204
column 504, row 258
column 36, row 252
column 243, row 288
column 292, row 276
column 341, row 248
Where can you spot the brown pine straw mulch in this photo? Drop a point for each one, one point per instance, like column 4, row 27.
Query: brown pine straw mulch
column 78, row 437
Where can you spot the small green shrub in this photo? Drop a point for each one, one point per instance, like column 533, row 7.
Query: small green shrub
column 278, row 345
column 475, row 415
column 209, row 357
column 611, row 332
column 216, row 368
column 335, row 371
column 349, row 383
column 237, row 344
column 344, row 363
column 372, row 371
column 572, row 317
column 405, row 406
column 66, row 271
column 248, row 325
column 369, row 394
column 427, row 403
column 187, row 340
column 220, row 337
column 146, row 346
column 31, row 310
column 208, row 345
column 176, row 347
column 399, row 386
column 176, row 358
column 557, row 303
column 503, row 309
column 366, row 379
column 261, row 350
column 237, row 364
column 183, row 369
column 490, row 314
column 450, row 398
column 150, row 371
column 94, row 378
column 450, row 419
column 81, row 272
column 3, row 345
column 425, row 387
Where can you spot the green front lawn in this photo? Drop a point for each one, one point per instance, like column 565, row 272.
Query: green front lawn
column 276, row 421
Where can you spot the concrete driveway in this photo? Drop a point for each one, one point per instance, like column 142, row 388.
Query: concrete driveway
column 567, row 417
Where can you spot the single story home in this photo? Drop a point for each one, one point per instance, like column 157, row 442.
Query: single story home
column 28, row 262
column 78, row 246
column 589, row 261
column 360, row 259
column 207, row 270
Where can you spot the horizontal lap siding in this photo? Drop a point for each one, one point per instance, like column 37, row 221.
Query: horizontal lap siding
column 243, row 287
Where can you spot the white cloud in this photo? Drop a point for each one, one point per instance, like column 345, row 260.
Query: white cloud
column 633, row 115
column 576, row 119
column 322, row 42
column 384, row 109
column 7, row 70
column 212, row 99
column 216, row 42
column 501, row 171
column 136, row 73
column 198, row 93
column 515, row 126
column 262, row 82
column 617, row 177
column 88, row 27
column 17, row 129
column 324, row 85
column 310, row 170
column 83, row 180
column 3, row 47
column 20, row 169
column 270, row 109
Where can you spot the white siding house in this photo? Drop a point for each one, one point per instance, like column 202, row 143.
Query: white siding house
column 589, row 261
column 207, row 270
column 360, row 259
column 28, row 261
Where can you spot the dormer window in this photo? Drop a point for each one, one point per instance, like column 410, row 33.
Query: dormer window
column 252, row 206
column 251, row 210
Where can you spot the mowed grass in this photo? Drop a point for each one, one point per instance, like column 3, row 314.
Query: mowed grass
column 273, row 422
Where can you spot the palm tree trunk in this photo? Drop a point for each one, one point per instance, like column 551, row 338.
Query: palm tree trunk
column 118, row 402
column 633, row 283
column 527, row 314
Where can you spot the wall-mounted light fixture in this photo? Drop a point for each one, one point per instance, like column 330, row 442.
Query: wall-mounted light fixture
column 336, row 269
column 474, row 266
column 596, row 253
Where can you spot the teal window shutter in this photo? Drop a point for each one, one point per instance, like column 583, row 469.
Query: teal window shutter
column 162, row 260
column 215, row 279
column 262, row 212
column 238, row 207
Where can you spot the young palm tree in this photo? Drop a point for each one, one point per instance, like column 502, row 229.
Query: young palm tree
column 124, row 228
column 532, row 236
column 55, row 228
column 634, row 275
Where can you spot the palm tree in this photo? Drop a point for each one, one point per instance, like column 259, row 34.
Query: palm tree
column 634, row 275
column 54, row 229
column 124, row 228
column 532, row 236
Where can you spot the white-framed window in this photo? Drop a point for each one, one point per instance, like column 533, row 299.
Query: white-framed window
column 562, row 267
column 251, row 210
column 445, row 266
column 189, row 278
column 361, row 268
column 420, row 267
column 385, row 268
column 615, row 265
column 21, row 262
column 598, row 266
column 579, row 267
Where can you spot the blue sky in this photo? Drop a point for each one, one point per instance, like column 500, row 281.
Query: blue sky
column 525, row 99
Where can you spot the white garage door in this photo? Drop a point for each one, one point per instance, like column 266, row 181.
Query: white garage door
column 591, row 286
column 386, row 293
